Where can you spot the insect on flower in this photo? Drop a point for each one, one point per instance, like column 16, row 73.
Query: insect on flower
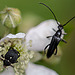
column 56, row 38
column 10, row 57
column 14, row 53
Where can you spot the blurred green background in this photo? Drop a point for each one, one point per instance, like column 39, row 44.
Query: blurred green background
column 64, row 10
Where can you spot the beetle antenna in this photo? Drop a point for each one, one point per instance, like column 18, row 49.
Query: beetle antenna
column 69, row 20
column 51, row 12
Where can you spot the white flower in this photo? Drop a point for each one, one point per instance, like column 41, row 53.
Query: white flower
column 17, row 42
column 8, row 71
column 32, row 69
column 39, row 33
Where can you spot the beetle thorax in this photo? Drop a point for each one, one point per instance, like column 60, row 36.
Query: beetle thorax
column 58, row 33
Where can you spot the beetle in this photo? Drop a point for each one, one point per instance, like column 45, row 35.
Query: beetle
column 10, row 57
column 56, row 38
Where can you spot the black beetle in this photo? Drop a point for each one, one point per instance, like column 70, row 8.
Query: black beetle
column 56, row 38
column 10, row 57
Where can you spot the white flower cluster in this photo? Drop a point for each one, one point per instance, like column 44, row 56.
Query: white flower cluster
column 18, row 43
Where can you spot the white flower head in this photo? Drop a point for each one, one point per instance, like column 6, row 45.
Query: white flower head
column 39, row 33
column 17, row 42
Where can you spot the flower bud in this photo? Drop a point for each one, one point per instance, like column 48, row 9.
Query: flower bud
column 10, row 17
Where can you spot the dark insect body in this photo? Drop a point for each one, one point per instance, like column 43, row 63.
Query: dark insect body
column 10, row 57
column 56, row 38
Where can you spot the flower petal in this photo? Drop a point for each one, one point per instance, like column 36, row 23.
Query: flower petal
column 33, row 69
column 8, row 71
column 11, row 36
column 18, row 35
column 39, row 33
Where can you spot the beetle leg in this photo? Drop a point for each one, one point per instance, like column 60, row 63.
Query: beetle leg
column 1, row 45
column 54, row 29
column 45, row 48
column 1, row 59
column 63, row 40
column 55, row 51
column 2, row 56
column 48, row 36
column 16, row 61
column 64, row 33
column 12, row 66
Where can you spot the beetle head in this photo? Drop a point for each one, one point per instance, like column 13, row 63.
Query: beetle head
column 6, row 62
column 60, row 27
